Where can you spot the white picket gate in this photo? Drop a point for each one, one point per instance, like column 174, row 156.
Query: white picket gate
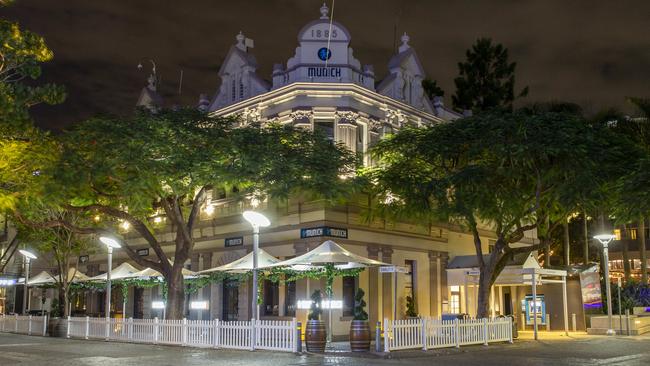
column 428, row 333
column 275, row 335
column 24, row 324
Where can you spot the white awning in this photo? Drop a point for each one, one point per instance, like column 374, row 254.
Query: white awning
column 245, row 263
column 329, row 253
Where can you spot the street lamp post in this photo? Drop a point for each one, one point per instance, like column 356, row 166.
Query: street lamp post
column 605, row 239
column 256, row 220
column 110, row 244
column 28, row 256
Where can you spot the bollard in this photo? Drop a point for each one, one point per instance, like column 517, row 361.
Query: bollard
column 627, row 321
column 574, row 324
column 378, row 337
column 299, row 337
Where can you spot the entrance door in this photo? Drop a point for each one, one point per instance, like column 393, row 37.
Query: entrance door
column 507, row 304
column 230, row 300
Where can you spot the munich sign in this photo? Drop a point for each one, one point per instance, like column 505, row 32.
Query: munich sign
column 324, row 72
column 313, row 232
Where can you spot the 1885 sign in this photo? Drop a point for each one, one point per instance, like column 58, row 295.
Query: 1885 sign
column 312, row 232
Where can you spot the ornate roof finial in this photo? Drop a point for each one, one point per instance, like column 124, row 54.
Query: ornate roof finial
column 405, row 43
column 324, row 11
column 240, row 41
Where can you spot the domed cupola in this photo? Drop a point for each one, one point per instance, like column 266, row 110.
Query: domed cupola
column 324, row 55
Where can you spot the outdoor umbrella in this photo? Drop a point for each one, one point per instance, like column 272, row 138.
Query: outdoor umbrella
column 245, row 263
column 329, row 253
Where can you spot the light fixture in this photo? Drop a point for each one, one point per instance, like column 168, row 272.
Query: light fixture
column 109, row 242
column 27, row 254
column 256, row 219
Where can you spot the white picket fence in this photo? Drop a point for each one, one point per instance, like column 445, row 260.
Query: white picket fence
column 428, row 333
column 30, row 325
column 277, row 335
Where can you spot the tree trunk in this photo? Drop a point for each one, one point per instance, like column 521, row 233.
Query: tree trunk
column 485, row 283
column 642, row 253
column 175, row 292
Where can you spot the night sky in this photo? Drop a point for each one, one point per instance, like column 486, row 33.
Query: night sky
column 594, row 53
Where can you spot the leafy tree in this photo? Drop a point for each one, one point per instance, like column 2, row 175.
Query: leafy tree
column 360, row 306
column 632, row 201
column 315, row 309
column 509, row 173
column 486, row 79
column 61, row 247
column 24, row 150
column 127, row 170
column 431, row 89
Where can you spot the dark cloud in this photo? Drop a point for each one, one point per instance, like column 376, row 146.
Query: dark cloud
column 592, row 52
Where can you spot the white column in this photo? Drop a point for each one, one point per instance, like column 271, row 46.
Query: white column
column 534, row 285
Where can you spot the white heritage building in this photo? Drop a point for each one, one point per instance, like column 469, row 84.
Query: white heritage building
column 322, row 86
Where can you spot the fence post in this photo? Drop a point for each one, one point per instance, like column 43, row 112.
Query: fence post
column 156, row 328
column 129, row 332
column 299, row 337
column 252, row 334
column 485, row 331
column 184, row 334
column 457, row 332
column 217, row 333
column 87, row 327
column 424, row 333
column 29, row 325
column 386, row 340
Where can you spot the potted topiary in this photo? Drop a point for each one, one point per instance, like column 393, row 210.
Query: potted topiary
column 410, row 308
column 315, row 335
column 359, row 328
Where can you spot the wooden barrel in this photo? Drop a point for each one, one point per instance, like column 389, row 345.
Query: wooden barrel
column 57, row 327
column 359, row 336
column 315, row 336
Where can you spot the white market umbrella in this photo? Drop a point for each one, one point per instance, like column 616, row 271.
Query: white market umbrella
column 124, row 270
column 329, row 253
column 245, row 263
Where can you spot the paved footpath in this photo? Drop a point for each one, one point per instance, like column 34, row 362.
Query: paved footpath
column 577, row 350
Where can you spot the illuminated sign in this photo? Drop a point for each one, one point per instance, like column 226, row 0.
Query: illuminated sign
column 312, row 232
column 199, row 305
column 325, row 304
column 233, row 242
column 7, row 282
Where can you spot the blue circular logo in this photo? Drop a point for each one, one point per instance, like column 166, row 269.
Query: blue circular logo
column 324, row 54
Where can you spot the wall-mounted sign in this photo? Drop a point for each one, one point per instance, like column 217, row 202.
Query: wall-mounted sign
column 324, row 72
column 233, row 242
column 143, row 252
column 83, row 258
column 313, row 232
column 393, row 269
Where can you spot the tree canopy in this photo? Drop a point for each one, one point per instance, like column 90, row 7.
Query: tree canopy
column 486, row 79
column 505, row 172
